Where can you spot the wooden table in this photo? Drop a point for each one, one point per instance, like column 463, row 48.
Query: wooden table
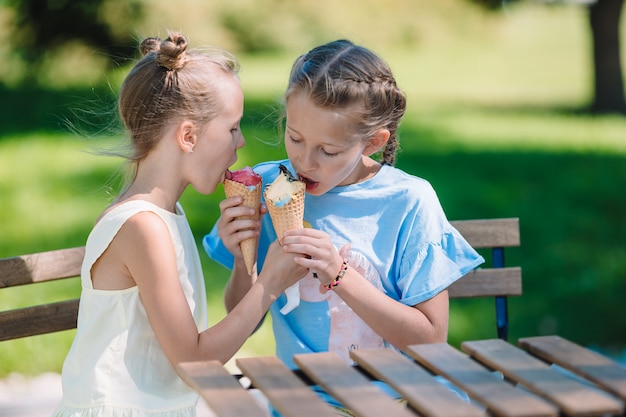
column 542, row 376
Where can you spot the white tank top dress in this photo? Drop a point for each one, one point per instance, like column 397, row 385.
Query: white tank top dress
column 116, row 367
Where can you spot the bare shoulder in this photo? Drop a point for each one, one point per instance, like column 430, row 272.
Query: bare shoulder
column 142, row 240
column 145, row 225
column 145, row 237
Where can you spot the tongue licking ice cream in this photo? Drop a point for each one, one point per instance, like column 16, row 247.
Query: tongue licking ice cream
column 285, row 201
column 247, row 184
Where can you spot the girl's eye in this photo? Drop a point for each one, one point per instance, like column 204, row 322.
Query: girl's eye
column 322, row 150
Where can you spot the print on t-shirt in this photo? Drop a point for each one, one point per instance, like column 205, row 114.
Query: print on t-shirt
column 347, row 330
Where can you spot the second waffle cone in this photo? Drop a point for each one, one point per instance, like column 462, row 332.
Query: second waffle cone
column 290, row 216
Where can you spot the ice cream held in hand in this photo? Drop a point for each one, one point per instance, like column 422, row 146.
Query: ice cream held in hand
column 247, row 184
column 285, row 201
column 246, row 176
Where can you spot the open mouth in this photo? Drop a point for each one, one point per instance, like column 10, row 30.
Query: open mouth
column 310, row 184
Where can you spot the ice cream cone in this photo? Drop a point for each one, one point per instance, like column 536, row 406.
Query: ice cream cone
column 251, row 198
column 290, row 215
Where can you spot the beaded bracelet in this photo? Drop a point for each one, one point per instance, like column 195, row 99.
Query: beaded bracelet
column 342, row 272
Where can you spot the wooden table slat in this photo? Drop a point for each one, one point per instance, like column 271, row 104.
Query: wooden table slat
column 221, row 390
column 286, row 392
column 349, row 386
column 584, row 362
column 572, row 396
column 545, row 376
column 429, row 397
column 501, row 398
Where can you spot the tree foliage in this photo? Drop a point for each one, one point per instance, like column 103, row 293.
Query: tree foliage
column 41, row 27
column 604, row 22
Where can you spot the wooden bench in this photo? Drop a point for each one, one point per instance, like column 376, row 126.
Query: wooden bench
column 38, row 268
column 495, row 281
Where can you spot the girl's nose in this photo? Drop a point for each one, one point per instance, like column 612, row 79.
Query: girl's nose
column 241, row 142
column 307, row 160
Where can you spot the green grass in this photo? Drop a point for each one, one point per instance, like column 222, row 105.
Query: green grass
column 493, row 122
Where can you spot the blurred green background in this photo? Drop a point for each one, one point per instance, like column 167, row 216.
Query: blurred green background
column 495, row 122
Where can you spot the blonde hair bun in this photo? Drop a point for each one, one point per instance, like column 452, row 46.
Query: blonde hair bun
column 170, row 52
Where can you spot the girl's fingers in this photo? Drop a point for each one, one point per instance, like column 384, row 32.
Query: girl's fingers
column 307, row 236
column 308, row 250
column 230, row 202
column 321, row 256
column 239, row 229
column 238, row 211
column 325, row 262
column 303, row 260
column 231, row 208
column 306, row 232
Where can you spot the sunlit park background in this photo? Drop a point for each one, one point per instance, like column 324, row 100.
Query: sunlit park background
column 496, row 122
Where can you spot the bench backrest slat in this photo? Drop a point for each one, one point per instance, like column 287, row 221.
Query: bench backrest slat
column 489, row 233
column 38, row 267
column 32, row 321
column 491, row 282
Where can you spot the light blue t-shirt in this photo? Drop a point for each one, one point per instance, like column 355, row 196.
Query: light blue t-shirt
column 400, row 240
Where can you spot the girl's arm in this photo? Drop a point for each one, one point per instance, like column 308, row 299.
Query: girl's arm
column 237, row 286
column 399, row 324
column 148, row 253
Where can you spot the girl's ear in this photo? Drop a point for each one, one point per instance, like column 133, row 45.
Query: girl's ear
column 186, row 137
column 376, row 142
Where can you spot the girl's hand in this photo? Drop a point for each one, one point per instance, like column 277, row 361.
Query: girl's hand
column 233, row 229
column 280, row 269
column 321, row 256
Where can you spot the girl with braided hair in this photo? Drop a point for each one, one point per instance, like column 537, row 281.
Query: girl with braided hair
column 380, row 252
column 143, row 306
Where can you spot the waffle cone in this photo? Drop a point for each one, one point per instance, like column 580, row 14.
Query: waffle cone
column 289, row 216
column 251, row 198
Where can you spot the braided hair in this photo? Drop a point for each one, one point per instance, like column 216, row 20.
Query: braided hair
column 345, row 76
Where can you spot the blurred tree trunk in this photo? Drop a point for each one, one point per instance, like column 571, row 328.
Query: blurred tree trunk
column 604, row 19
